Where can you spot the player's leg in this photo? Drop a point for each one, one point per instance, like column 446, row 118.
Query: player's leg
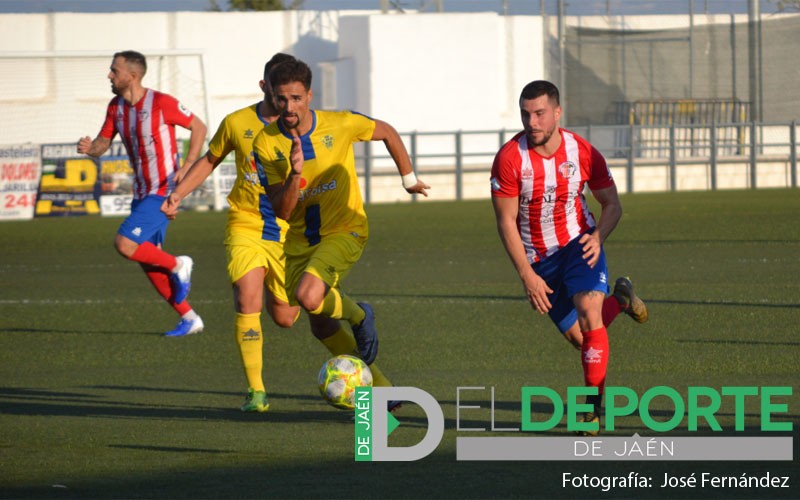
column 338, row 341
column 247, row 268
column 190, row 322
column 316, row 288
column 627, row 301
column 588, row 288
column 139, row 239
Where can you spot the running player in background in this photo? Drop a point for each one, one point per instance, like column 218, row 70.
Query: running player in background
column 145, row 119
column 551, row 237
column 306, row 161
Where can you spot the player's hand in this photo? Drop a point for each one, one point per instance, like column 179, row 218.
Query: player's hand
column 591, row 248
column 170, row 206
column 181, row 173
column 537, row 291
column 296, row 155
column 419, row 188
column 84, row 144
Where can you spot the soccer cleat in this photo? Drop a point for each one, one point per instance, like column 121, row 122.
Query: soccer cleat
column 630, row 303
column 186, row 327
column 182, row 279
column 366, row 335
column 590, row 417
column 255, row 401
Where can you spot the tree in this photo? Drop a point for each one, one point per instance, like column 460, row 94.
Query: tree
column 245, row 5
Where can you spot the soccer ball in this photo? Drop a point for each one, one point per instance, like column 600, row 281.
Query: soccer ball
column 339, row 377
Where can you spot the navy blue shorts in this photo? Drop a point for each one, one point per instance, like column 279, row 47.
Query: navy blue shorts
column 146, row 222
column 567, row 273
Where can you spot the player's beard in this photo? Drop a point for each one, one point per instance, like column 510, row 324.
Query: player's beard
column 545, row 137
column 290, row 125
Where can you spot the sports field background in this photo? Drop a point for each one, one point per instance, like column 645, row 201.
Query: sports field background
column 95, row 403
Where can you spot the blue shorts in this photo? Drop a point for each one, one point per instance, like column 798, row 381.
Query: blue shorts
column 566, row 273
column 146, row 222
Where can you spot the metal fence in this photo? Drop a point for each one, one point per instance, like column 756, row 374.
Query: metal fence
column 643, row 158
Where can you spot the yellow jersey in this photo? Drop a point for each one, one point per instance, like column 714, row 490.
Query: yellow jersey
column 330, row 198
column 250, row 209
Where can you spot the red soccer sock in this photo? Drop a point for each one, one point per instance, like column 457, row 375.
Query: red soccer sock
column 611, row 310
column 160, row 281
column 594, row 358
column 151, row 255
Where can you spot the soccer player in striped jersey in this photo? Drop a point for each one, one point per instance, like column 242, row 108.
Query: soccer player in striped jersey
column 306, row 161
column 145, row 120
column 552, row 238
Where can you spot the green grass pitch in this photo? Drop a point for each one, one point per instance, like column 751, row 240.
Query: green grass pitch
column 95, row 403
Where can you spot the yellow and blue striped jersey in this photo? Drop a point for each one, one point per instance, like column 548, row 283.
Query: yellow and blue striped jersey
column 250, row 209
column 330, row 198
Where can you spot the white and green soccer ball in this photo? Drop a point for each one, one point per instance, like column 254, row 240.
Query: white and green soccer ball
column 339, row 377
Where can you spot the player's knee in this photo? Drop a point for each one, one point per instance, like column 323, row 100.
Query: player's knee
column 125, row 247
column 285, row 317
column 308, row 300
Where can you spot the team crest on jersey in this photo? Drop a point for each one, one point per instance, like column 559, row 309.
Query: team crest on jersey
column 248, row 134
column 567, row 169
column 327, row 141
column 183, row 110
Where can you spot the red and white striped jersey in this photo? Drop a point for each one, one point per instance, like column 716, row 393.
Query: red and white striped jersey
column 148, row 131
column 552, row 208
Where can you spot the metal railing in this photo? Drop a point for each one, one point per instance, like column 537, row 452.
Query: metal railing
column 631, row 148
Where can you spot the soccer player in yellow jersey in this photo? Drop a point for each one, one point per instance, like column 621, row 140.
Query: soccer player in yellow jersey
column 306, row 161
column 253, row 235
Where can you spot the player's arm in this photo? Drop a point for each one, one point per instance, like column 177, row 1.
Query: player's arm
column 394, row 144
column 506, row 210
column 196, row 138
column 283, row 196
column 197, row 173
column 95, row 147
column 610, row 213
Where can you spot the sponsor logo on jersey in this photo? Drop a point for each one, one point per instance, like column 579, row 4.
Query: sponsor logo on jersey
column 317, row 190
column 567, row 169
column 495, row 184
column 184, row 110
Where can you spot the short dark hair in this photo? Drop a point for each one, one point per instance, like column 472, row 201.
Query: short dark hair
column 538, row 88
column 290, row 71
column 277, row 59
column 134, row 58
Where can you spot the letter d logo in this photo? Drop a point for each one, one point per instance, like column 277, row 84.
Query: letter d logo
column 381, row 451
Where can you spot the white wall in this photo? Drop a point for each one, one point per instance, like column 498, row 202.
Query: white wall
column 417, row 71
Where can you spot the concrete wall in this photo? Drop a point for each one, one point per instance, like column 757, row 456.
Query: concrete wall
column 419, row 72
